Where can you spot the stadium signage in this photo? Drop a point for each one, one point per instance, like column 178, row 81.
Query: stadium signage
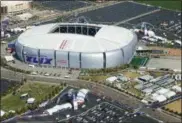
column 43, row 60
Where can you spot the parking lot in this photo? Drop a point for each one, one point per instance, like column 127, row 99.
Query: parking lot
column 63, row 5
column 109, row 113
column 96, row 109
column 165, row 22
column 116, row 13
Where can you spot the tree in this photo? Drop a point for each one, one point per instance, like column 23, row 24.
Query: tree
column 59, row 19
column 50, row 95
column 135, row 67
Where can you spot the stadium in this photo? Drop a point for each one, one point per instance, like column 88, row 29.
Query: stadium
column 76, row 45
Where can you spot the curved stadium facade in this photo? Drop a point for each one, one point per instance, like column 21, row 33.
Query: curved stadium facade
column 76, row 45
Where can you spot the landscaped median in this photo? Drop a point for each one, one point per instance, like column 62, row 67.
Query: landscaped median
column 13, row 103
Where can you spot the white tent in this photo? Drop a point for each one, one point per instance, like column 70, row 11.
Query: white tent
column 111, row 79
column 58, row 108
column 30, row 100
column 9, row 58
column 80, row 98
column 158, row 97
column 147, row 91
column 2, row 113
column 176, row 88
column 161, row 98
column 162, row 91
column 169, row 94
column 154, row 96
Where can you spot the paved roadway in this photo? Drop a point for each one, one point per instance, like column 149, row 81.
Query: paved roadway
column 96, row 88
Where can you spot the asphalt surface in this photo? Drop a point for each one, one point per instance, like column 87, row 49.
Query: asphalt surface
column 63, row 5
column 172, row 18
column 116, row 13
column 103, row 90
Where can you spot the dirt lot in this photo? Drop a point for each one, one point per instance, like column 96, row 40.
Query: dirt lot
column 175, row 106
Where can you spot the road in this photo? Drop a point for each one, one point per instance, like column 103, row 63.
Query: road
column 96, row 88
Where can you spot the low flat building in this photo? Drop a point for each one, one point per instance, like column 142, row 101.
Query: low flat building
column 147, row 91
column 146, row 78
column 169, row 94
column 176, row 88
column 111, row 79
column 162, row 91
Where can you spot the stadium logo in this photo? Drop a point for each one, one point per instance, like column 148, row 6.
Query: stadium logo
column 62, row 61
column 43, row 60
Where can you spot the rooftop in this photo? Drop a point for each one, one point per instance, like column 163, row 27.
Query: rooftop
column 106, row 39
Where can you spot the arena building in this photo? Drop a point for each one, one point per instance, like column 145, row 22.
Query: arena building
column 14, row 7
column 76, row 45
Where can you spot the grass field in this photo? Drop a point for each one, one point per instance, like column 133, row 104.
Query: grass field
column 169, row 4
column 139, row 61
column 131, row 75
column 95, row 78
column 36, row 90
column 175, row 106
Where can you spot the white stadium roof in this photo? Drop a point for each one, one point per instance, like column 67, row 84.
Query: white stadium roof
column 106, row 39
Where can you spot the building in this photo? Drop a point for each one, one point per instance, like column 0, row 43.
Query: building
column 2, row 113
column 30, row 100
column 146, row 78
column 176, row 88
column 147, row 91
column 162, row 91
column 76, row 45
column 158, row 97
column 81, row 95
column 169, row 94
column 111, row 79
column 15, row 7
column 58, row 108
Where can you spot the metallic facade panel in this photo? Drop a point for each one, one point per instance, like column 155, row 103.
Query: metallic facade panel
column 74, row 60
column 47, row 57
column 61, row 59
column 19, row 50
column 114, row 58
column 30, row 55
column 127, row 53
column 92, row 60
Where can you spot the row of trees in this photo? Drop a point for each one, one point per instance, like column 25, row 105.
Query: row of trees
column 108, row 70
column 172, row 111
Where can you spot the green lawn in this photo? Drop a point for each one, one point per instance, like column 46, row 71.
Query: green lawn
column 95, row 78
column 135, row 91
column 36, row 90
column 169, row 4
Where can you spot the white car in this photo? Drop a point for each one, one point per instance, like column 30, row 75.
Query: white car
column 30, row 65
column 34, row 73
column 66, row 76
column 46, row 74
